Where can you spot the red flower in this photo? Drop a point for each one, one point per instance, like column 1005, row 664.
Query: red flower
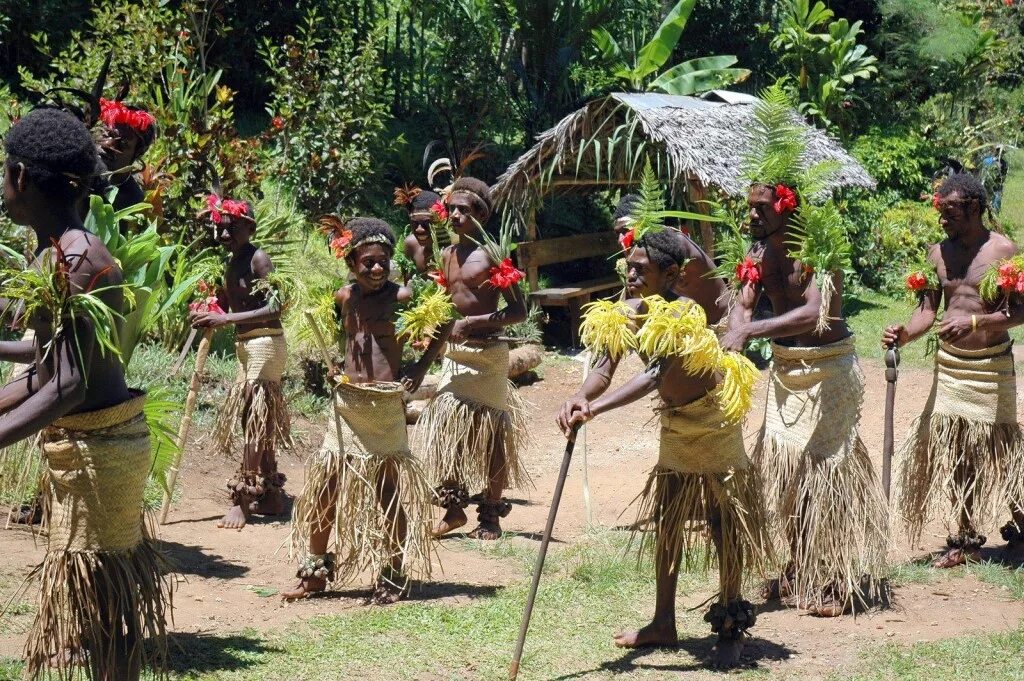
column 626, row 240
column 505, row 275
column 217, row 207
column 785, row 199
column 208, row 304
column 685, row 230
column 916, row 281
column 340, row 242
column 440, row 210
column 935, row 200
column 1008, row 3
column 749, row 271
column 114, row 113
column 438, row 276
column 277, row 122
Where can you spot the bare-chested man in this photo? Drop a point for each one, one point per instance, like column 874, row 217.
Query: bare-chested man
column 697, row 280
column 703, row 472
column 425, row 208
column 373, row 456
column 819, row 477
column 102, row 583
column 473, row 431
column 256, row 399
column 967, row 444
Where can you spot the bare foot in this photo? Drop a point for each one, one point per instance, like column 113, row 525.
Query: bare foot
column 487, row 531
column 271, row 503
column 726, row 652
column 654, row 634
column 306, row 587
column 956, row 556
column 828, row 608
column 454, row 518
column 234, row 519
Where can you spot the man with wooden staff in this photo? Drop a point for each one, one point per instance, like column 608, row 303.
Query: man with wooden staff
column 703, row 493
column 256, row 400
column 967, row 444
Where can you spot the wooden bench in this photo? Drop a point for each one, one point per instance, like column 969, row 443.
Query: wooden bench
column 534, row 254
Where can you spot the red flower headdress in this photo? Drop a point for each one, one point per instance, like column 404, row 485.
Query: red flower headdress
column 339, row 238
column 785, row 199
column 626, row 240
column 217, row 207
column 404, row 195
column 114, row 113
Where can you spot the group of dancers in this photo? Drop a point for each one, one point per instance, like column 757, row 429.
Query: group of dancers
column 804, row 509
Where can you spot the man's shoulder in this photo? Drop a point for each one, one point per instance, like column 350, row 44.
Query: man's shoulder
column 1003, row 246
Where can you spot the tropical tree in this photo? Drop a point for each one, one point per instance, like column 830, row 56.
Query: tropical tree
column 641, row 69
column 825, row 65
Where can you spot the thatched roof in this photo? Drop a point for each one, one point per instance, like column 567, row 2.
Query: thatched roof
column 687, row 138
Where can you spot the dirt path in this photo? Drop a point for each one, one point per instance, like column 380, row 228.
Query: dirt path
column 229, row 579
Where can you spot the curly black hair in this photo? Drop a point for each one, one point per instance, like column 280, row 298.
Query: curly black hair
column 626, row 205
column 56, row 150
column 423, row 201
column 968, row 186
column 478, row 189
column 663, row 247
column 366, row 228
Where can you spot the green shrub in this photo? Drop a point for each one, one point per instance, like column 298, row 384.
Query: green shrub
column 898, row 159
column 887, row 234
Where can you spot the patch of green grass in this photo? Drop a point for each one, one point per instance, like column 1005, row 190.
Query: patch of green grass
column 995, row 657
column 1012, row 212
column 997, row 574
column 916, row 573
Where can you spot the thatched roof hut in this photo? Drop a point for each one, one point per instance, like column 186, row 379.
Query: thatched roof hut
column 695, row 144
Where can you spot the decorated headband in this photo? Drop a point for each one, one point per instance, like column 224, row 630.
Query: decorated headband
column 114, row 113
column 371, row 239
column 470, row 192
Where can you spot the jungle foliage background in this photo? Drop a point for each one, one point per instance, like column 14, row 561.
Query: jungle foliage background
column 325, row 105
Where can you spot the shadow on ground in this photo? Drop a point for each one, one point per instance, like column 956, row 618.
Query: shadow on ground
column 756, row 651
column 199, row 653
column 192, row 560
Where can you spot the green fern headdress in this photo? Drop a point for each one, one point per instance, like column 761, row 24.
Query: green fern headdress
column 778, row 158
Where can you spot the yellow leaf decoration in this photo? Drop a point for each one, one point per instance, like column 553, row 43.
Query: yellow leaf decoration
column 608, row 329
column 736, row 391
column 434, row 310
column 679, row 329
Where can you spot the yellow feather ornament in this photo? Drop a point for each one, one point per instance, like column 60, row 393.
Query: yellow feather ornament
column 679, row 329
column 608, row 329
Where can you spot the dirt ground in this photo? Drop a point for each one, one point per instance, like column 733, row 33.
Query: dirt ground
column 224, row 572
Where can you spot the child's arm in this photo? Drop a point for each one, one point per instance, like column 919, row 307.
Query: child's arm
column 513, row 313
column 271, row 312
column 635, row 388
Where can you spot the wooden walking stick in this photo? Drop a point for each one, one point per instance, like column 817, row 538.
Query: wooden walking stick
column 892, row 363
column 186, row 420
column 184, row 352
column 513, row 670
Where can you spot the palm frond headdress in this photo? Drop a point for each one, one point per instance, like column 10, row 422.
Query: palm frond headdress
column 778, row 158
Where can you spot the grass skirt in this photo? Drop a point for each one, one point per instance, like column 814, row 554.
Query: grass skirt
column 704, row 476
column 476, row 414
column 374, row 442
column 966, row 446
column 821, row 485
column 102, row 571
column 255, row 403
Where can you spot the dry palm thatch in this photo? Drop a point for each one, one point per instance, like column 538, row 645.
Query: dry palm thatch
column 702, row 140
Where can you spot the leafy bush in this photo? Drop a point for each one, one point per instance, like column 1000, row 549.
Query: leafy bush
column 887, row 234
column 329, row 107
column 899, row 159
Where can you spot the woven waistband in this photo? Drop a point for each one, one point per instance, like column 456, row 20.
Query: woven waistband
column 108, row 417
column 840, row 348
column 1004, row 348
column 259, row 333
column 370, row 389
